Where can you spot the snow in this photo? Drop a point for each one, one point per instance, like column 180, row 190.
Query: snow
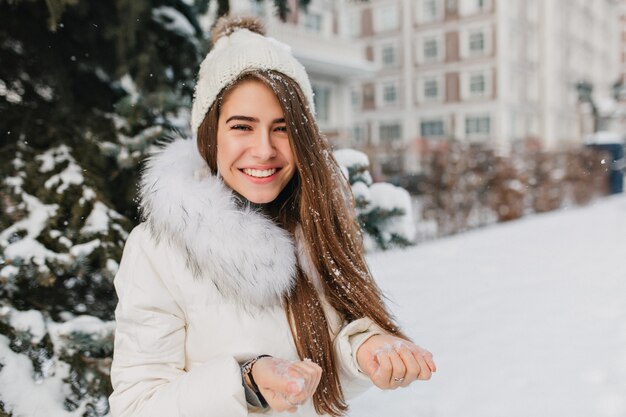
column 12, row 95
column 46, row 92
column 91, row 325
column 524, row 319
column 351, row 158
column 28, row 321
column 30, row 398
column 26, row 396
column 131, row 88
column 28, row 247
column 9, row 271
column 173, row 20
column 84, row 249
column 361, row 191
column 17, row 162
column 388, row 197
column 112, row 266
column 15, row 182
column 98, row 220
column 605, row 138
column 71, row 175
column 52, row 157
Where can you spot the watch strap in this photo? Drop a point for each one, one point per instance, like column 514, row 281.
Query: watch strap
column 246, row 369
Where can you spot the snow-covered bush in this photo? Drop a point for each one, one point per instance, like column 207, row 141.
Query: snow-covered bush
column 384, row 210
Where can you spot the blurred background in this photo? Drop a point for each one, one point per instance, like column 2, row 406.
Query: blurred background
column 447, row 115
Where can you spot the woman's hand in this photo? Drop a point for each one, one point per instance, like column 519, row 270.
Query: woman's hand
column 284, row 384
column 392, row 362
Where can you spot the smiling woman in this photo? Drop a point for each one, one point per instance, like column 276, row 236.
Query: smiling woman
column 246, row 290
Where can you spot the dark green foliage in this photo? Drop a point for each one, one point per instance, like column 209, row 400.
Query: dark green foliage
column 374, row 222
column 87, row 88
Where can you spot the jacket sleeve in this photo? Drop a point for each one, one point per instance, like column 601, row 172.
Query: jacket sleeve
column 148, row 370
column 346, row 344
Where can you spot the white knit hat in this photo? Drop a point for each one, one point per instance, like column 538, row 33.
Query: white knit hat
column 238, row 49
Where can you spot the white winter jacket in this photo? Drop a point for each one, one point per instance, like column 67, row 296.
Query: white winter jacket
column 199, row 287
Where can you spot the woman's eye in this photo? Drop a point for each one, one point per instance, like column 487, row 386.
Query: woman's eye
column 240, row 127
column 281, row 129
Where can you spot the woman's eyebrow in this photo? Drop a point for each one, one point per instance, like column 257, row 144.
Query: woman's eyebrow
column 244, row 118
column 253, row 119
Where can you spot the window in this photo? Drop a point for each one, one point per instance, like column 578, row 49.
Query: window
column 477, row 43
column 431, row 89
column 386, row 18
column 358, row 133
column 390, row 94
column 477, row 84
column 471, row 7
column 354, row 25
column 313, row 22
column 390, row 131
column 388, row 55
column 430, row 11
column 431, row 49
column 432, row 128
column 478, row 126
column 355, row 95
column 321, row 100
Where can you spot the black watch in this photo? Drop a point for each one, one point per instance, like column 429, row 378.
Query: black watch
column 246, row 369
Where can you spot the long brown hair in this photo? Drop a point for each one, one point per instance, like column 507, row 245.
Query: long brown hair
column 318, row 198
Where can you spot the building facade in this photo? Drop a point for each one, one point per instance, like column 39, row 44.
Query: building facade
column 497, row 71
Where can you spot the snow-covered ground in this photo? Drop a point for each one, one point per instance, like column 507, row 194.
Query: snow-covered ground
column 524, row 319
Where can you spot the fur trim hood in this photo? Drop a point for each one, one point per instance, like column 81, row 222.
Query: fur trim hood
column 249, row 258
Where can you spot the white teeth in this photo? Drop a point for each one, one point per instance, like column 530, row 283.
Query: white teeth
column 258, row 173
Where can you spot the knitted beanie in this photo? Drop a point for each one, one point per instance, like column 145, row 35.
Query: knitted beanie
column 240, row 45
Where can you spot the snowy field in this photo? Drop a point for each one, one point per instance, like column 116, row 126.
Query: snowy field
column 524, row 319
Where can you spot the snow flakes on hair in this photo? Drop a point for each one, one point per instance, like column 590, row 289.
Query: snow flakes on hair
column 225, row 26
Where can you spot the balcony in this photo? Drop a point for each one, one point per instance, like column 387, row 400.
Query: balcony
column 322, row 55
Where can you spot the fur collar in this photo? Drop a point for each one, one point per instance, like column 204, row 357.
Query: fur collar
column 249, row 258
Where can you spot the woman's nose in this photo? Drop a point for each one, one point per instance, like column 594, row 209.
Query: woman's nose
column 263, row 146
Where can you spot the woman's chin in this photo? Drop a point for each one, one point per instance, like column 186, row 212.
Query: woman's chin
column 259, row 198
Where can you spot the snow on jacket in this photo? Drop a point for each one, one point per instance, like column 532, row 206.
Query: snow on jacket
column 199, row 288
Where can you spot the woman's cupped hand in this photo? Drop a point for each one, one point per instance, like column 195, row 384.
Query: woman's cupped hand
column 391, row 362
column 285, row 384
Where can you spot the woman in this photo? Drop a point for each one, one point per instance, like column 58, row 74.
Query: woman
column 245, row 290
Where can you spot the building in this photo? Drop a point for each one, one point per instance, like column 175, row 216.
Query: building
column 499, row 71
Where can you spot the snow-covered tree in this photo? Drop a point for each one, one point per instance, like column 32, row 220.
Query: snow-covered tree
column 86, row 90
column 384, row 210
